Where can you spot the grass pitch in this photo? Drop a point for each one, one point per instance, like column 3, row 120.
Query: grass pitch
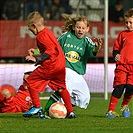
column 91, row 120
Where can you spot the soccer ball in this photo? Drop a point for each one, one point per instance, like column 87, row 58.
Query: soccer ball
column 57, row 110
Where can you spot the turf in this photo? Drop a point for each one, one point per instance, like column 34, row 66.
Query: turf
column 91, row 120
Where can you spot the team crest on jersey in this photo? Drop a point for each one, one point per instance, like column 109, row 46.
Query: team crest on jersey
column 72, row 56
column 69, row 36
column 28, row 98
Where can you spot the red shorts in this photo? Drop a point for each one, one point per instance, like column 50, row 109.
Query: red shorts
column 40, row 78
column 123, row 75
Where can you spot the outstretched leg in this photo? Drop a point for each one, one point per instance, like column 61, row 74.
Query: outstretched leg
column 116, row 94
column 53, row 98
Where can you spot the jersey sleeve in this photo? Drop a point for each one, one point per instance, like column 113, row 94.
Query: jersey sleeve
column 40, row 57
column 61, row 39
column 90, row 47
column 117, row 45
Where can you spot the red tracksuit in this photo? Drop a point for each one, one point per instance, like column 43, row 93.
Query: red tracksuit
column 124, row 68
column 21, row 102
column 51, row 71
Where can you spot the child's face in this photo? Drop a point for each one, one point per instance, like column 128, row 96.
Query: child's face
column 129, row 23
column 32, row 28
column 81, row 29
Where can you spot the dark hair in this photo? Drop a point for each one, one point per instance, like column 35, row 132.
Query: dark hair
column 28, row 72
column 118, row 2
column 129, row 13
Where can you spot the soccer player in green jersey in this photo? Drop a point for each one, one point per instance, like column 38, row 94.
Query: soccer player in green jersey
column 77, row 48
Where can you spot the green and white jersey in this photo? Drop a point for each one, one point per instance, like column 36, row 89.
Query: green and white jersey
column 76, row 51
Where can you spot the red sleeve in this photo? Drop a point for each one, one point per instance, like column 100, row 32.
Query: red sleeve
column 118, row 43
column 47, row 42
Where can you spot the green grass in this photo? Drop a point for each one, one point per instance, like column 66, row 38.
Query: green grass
column 91, row 120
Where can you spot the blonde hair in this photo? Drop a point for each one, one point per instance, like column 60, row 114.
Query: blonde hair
column 35, row 17
column 70, row 22
column 128, row 13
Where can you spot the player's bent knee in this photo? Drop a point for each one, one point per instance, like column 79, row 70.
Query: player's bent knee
column 118, row 91
column 129, row 89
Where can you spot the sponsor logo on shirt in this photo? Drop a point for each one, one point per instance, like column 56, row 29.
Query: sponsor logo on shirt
column 73, row 46
column 72, row 56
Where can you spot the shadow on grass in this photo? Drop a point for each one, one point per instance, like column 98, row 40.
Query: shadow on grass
column 16, row 115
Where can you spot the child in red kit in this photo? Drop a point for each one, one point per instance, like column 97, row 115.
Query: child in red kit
column 19, row 102
column 51, row 66
column 123, row 80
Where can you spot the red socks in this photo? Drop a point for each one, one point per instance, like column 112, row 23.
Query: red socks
column 126, row 99
column 113, row 102
column 35, row 98
column 66, row 98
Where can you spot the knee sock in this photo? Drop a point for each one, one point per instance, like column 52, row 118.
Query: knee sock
column 126, row 99
column 53, row 98
column 113, row 103
column 35, row 98
column 66, row 98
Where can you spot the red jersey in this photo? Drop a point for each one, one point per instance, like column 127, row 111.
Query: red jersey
column 47, row 43
column 21, row 102
column 52, row 70
column 124, row 45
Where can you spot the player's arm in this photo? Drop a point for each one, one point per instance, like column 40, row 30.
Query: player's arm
column 37, row 57
column 95, row 51
column 115, row 52
column 31, row 54
column 40, row 57
column 116, row 55
column 98, row 44
column 117, row 48
column 94, row 44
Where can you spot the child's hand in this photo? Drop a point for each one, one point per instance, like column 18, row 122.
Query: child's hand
column 98, row 42
column 30, row 58
column 31, row 51
column 117, row 57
